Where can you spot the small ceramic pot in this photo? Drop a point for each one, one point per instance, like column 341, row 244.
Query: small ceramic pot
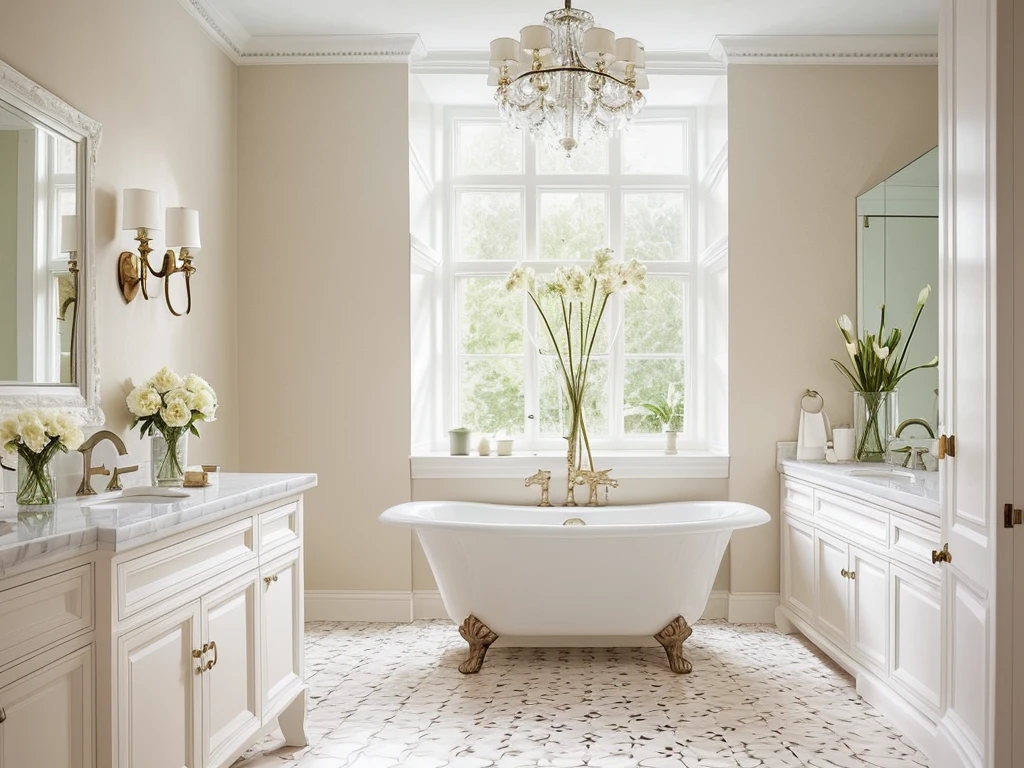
column 459, row 441
column 504, row 447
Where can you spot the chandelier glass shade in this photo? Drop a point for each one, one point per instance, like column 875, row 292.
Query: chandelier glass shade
column 568, row 81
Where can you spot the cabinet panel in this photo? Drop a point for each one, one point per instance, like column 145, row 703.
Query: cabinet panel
column 916, row 619
column 797, row 497
column 279, row 527
column 43, row 612
column 281, row 593
column 798, row 560
column 231, row 692
column 869, row 580
column 159, row 719
column 48, row 716
column 832, row 558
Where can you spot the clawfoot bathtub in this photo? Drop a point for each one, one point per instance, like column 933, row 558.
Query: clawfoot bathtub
column 612, row 571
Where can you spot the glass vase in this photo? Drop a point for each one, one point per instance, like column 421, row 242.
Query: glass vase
column 875, row 416
column 168, row 457
column 37, row 484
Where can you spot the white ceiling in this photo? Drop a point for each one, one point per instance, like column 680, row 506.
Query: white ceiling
column 663, row 25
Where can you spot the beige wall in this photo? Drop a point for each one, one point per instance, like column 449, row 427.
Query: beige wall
column 8, row 255
column 324, row 305
column 803, row 143
column 165, row 95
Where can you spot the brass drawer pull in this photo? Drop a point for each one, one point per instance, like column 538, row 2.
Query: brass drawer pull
column 268, row 580
column 211, row 664
column 198, row 653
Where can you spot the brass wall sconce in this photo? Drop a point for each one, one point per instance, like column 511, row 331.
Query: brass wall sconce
column 141, row 212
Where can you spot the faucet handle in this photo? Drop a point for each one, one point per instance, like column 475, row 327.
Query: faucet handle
column 115, row 480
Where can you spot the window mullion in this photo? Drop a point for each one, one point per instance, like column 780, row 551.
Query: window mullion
column 616, row 362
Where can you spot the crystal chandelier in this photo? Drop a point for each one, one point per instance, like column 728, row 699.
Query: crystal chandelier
column 567, row 81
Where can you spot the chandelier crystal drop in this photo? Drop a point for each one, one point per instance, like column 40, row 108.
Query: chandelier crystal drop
column 567, row 81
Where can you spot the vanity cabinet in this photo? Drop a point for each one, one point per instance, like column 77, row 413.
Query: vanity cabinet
column 858, row 581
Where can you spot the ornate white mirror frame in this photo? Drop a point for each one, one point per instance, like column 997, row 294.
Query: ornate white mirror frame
column 82, row 397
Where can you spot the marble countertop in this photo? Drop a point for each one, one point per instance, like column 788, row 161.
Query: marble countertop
column 109, row 522
column 920, row 493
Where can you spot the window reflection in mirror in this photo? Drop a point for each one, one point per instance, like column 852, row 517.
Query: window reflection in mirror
column 38, row 291
column 898, row 254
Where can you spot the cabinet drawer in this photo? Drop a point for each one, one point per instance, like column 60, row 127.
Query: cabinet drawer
column 43, row 612
column 838, row 512
column 279, row 527
column 797, row 497
column 155, row 577
column 912, row 545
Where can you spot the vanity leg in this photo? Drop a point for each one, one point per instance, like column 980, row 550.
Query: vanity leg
column 672, row 638
column 293, row 722
column 479, row 636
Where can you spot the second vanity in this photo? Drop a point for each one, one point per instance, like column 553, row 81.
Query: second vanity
column 858, row 580
column 144, row 635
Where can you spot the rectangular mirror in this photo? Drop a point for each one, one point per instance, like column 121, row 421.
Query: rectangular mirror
column 898, row 255
column 47, row 333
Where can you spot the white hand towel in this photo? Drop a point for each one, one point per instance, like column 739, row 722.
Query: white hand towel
column 813, row 436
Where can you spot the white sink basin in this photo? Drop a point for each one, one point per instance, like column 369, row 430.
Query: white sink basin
column 882, row 472
column 151, row 495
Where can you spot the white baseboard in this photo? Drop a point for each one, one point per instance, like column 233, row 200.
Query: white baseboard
column 752, row 607
column 399, row 606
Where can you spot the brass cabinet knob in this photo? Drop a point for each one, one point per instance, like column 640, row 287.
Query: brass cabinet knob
column 942, row 556
column 844, row 573
column 853, row 574
column 268, row 580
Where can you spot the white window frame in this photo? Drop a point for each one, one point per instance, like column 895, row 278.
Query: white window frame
column 694, row 438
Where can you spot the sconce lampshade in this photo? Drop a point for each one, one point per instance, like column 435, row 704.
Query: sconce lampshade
column 141, row 210
column 68, row 234
column 182, row 228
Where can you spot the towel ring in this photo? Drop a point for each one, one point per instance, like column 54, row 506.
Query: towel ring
column 812, row 394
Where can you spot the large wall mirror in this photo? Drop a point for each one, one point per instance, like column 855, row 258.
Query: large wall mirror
column 898, row 254
column 47, row 328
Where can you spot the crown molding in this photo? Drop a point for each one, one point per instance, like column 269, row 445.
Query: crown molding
column 658, row 63
column 245, row 49
column 826, row 49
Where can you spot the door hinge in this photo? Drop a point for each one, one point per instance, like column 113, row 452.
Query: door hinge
column 1011, row 516
column 947, row 446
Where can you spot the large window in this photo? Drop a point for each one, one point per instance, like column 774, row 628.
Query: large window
column 511, row 201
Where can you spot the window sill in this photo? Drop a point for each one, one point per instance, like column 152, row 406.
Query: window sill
column 702, row 465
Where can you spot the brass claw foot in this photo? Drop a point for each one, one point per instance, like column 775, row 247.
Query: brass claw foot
column 672, row 638
column 479, row 636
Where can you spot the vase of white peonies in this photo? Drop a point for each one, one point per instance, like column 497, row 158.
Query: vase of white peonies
column 37, row 436
column 167, row 407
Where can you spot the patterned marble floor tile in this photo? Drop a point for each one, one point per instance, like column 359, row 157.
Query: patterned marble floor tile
column 390, row 696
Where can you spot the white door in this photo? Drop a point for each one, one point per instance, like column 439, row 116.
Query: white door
column 158, row 702
column 869, row 608
column 46, row 717
column 798, row 566
column 231, row 690
column 971, row 509
column 281, row 591
column 832, row 561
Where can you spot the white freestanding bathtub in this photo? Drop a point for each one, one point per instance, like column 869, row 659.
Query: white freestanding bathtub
column 627, row 571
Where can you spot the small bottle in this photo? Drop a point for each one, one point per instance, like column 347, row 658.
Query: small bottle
column 484, row 448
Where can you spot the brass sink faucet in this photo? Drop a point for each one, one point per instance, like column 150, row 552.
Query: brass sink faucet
column 88, row 470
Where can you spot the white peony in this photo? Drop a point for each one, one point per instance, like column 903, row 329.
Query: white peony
column 33, row 435
column 8, row 431
column 195, row 383
column 144, row 401
column 205, row 402
column 165, row 380
column 72, row 438
column 184, row 395
column 176, row 413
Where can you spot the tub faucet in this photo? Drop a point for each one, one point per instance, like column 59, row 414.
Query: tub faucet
column 595, row 479
column 541, row 477
column 88, row 470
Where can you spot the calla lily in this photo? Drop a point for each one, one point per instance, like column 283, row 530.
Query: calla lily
column 851, row 348
column 922, row 297
column 881, row 352
column 846, row 326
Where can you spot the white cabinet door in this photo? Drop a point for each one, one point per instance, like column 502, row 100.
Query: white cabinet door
column 231, row 690
column 158, row 702
column 798, row 566
column 832, row 560
column 281, row 607
column 916, row 620
column 46, row 717
column 869, row 608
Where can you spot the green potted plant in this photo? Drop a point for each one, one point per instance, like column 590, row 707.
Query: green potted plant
column 668, row 410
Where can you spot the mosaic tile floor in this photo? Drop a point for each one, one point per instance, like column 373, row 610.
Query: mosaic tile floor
column 385, row 695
